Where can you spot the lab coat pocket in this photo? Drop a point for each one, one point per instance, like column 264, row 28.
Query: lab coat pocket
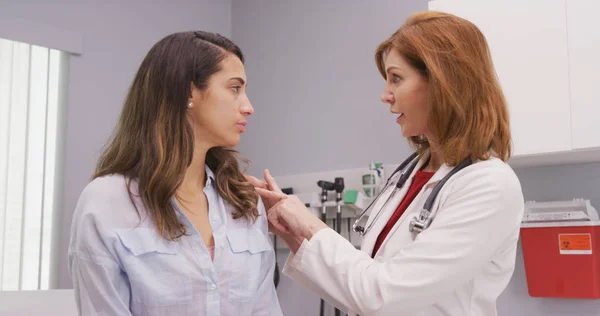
column 157, row 272
column 250, row 249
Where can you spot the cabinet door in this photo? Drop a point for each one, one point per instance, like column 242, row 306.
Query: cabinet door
column 583, row 27
column 528, row 43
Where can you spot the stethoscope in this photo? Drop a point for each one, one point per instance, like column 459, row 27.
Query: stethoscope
column 426, row 216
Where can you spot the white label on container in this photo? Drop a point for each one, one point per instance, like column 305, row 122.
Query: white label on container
column 575, row 244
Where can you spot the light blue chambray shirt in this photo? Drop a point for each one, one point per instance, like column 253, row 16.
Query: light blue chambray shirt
column 120, row 265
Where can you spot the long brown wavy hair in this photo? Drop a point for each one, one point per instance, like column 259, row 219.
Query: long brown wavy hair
column 469, row 116
column 153, row 143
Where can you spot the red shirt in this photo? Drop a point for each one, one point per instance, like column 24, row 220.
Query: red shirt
column 420, row 179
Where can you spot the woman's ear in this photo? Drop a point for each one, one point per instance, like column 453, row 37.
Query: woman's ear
column 192, row 88
column 190, row 103
column 196, row 95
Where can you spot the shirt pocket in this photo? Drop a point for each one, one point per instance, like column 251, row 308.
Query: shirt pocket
column 250, row 248
column 155, row 268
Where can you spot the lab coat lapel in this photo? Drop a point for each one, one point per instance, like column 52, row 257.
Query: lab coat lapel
column 369, row 240
column 418, row 202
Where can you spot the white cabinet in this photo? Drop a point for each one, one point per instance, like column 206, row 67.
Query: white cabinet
column 583, row 25
column 528, row 43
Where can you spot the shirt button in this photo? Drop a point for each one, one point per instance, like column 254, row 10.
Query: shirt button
column 213, row 286
column 215, row 217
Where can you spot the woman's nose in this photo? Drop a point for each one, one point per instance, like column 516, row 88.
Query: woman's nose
column 387, row 97
column 247, row 109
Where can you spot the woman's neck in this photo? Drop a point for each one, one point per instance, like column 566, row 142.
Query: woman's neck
column 435, row 160
column 194, row 179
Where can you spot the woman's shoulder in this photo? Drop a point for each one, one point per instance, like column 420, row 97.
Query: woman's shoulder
column 492, row 173
column 495, row 168
column 109, row 198
column 109, row 188
column 104, row 211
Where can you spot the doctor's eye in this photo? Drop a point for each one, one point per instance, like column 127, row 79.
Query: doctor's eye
column 236, row 89
column 396, row 78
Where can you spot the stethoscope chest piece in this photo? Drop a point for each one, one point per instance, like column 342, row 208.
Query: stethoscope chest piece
column 420, row 223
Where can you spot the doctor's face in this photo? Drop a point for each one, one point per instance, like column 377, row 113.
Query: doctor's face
column 406, row 93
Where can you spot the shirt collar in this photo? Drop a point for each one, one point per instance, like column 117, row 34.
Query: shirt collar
column 210, row 176
column 210, row 180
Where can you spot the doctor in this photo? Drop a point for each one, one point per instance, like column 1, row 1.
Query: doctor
column 441, row 86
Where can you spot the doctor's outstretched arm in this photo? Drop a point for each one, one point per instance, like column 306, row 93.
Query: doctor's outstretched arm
column 480, row 214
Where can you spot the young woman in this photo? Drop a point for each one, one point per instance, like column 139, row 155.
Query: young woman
column 169, row 225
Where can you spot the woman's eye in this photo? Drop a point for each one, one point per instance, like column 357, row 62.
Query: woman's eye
column 396, row 78
column 236, row 88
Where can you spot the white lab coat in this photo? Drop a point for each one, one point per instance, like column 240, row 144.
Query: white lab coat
column 458, row 266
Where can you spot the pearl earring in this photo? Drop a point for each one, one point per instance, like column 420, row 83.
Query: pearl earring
column 190, row 105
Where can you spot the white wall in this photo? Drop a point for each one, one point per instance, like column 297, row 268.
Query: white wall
column 312, row 77
column 116, row 36
column 314, row 84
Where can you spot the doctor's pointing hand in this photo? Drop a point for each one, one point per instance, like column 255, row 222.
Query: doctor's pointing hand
column 441, row 238
column 288, row 217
